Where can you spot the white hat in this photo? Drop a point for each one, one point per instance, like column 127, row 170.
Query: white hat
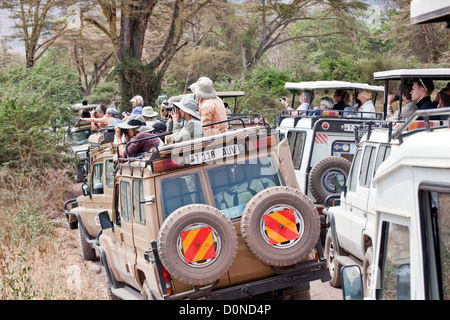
column 149, row 112
column 188, row 105
column 203, row 88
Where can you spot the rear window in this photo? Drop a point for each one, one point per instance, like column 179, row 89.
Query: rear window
column 179, row 191
column 234, row 185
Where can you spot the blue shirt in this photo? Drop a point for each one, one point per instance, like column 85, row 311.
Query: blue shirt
column 137, row 110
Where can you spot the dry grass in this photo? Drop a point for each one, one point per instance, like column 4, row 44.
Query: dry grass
column 39, row 256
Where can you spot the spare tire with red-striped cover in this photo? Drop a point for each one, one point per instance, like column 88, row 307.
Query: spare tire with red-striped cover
column 197, row 244
column 280, row 226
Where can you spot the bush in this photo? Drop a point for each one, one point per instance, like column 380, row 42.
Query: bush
column 33, row 110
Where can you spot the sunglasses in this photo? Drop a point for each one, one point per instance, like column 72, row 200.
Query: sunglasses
column 423, row 85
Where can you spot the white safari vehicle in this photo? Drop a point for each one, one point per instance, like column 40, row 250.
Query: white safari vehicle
column 323, row 145
column 412, row 208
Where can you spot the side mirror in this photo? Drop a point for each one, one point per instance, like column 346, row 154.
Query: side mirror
column 85, row 189
column 339, row 182
column 352, row 284
column 105, row 223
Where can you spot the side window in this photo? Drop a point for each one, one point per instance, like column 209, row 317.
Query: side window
column 383, row 152
column 179, row 191
column 138, row 197
column 109, row 173
column 435, row 213
column 395, row 262
column 365, row 176
column 355, row 171
column 296, row 141
column 97, row 179
column 125, row 200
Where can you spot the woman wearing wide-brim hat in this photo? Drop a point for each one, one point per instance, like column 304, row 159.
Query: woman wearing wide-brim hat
column 211, row 107
column 192, row 128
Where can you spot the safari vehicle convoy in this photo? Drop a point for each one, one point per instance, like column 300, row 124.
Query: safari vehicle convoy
column 411, row 191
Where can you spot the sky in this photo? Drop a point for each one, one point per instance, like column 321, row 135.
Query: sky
column 6, row 30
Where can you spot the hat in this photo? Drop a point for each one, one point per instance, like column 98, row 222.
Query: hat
column 135, row 121
column 112, row 111
column 188, row 105
column 149, row 112
column 203, row 88
column 99, row 109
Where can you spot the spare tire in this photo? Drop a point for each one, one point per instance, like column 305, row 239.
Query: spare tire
column 321, row 177
column 197, row 244
column 280, row 208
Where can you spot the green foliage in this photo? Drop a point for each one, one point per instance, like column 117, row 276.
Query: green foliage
column 136, row 78
column 33, row 107
column 103, row 93
column 263, row 88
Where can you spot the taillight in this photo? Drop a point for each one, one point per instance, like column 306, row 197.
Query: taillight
column 167, row 281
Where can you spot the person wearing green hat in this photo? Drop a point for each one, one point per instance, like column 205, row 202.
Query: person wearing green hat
column 192, row 127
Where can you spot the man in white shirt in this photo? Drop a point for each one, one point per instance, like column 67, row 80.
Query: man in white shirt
column 306, row 99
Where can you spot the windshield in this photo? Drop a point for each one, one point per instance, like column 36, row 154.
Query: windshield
column 80, row 137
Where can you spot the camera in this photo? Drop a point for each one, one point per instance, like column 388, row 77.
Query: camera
column 169, row 108
column 124, row 131
column 283, row 99
column 397, row 97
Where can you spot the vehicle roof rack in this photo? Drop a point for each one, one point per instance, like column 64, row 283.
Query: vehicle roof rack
column 425, row 114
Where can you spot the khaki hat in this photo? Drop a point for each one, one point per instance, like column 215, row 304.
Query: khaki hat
column 188, row 105
column 203, row 88
column 149, row 112
column 136, row 122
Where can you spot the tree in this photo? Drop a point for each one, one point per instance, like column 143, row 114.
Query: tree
column 270, row 24
column 127, row 33
column 36, row 24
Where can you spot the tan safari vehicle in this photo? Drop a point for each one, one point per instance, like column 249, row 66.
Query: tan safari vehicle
column 219, row 217
column 82, row 212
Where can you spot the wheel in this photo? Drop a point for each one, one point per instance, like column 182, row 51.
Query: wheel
column 87, row 251
column 333, row 266
column 197, row 244
column 321, row 177
column 367, row 270
column 280, row 226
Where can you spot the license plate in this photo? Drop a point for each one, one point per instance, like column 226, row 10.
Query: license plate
column 350, row 127
column 215, row 154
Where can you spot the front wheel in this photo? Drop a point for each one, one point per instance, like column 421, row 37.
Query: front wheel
column 333, row 265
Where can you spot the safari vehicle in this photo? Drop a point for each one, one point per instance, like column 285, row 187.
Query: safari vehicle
column 322, row 146
column 349, row 238
column 82, row 212
column 78, row 138
column 218, row 217
column 412, row 210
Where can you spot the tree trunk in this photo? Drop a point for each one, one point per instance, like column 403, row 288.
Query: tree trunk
column 135, row 77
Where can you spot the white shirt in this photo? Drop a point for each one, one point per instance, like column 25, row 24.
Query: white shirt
column 304, row 107
column 367, row 107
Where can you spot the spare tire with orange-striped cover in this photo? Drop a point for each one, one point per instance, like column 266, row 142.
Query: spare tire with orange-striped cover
column 197, row 244
column 280, row 226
